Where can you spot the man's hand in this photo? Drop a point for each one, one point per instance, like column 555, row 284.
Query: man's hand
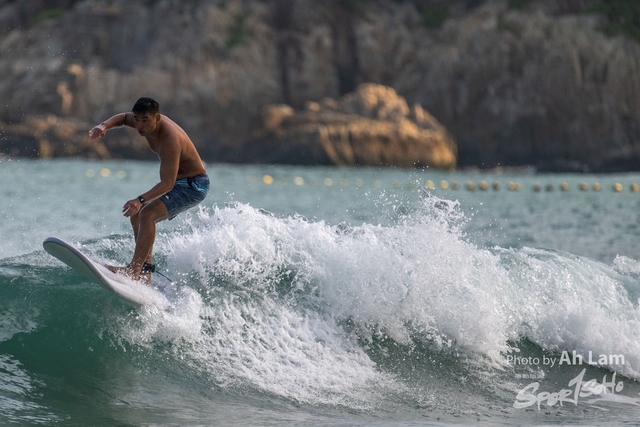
column 131, row 208
column 98, row 131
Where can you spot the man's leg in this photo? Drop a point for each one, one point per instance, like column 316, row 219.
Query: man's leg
column 135, row 221
column 135, row 224
column 145, row 234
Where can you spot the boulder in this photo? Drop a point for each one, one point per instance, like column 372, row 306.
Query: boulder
column 372, row 126
column 41, row 136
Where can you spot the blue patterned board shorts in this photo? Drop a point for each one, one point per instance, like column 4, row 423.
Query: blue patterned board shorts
column 185, row 194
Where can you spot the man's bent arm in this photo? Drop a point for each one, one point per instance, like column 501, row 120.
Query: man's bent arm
column 122, row 119
column 169, row 165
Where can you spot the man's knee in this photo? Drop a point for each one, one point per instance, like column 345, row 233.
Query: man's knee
column 153, row 212
column 145, row 215
column 135, row 219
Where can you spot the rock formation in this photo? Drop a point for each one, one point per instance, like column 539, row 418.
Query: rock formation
column 48, row 136
column 515, row 86
column 535, row 85
column 372, row 126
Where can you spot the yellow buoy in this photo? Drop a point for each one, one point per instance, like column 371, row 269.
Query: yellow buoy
column 430, row 185
column 617, row 187
column 470, row 186
column 267, row 179
column 634, row 188
column 597, row 186
column 483, row 185
column 584, row 186
column 564, row 186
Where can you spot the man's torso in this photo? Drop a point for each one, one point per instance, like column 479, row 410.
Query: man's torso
column 190, row 163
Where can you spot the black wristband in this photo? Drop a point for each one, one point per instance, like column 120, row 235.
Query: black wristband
column 141, row 200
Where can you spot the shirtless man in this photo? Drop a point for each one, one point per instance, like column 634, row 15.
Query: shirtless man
column 183, row 179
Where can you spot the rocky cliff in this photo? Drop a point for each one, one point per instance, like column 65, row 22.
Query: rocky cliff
column 513, row 85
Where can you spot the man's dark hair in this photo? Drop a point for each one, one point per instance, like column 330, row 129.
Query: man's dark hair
column 146, row 105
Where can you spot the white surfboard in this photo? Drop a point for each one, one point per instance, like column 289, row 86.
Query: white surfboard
column 134, row 293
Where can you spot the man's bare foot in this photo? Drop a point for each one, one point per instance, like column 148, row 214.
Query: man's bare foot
column 129, row 273
column 122, row 271
column 145, row 278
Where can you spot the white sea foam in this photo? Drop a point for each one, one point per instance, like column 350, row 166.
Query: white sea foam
column 266, row 300
column 567, row 303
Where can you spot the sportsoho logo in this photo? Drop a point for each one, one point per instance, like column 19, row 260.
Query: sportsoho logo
column 577, row 387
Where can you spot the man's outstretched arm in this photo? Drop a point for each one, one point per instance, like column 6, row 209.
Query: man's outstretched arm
column 122, row 119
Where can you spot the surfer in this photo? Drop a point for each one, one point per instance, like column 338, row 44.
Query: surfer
column 183, row 180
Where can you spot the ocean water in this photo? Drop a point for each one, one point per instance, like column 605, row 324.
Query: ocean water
column 324, row 296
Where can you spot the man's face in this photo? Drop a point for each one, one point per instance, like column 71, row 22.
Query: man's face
column 146, row 123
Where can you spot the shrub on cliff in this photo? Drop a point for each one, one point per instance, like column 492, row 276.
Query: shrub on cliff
column 623, row 16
